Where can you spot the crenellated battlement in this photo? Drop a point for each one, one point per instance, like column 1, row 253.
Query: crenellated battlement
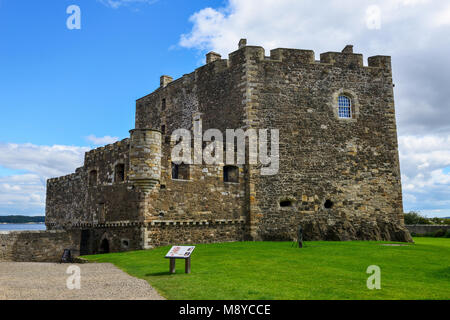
column 380, row 62
column 99, row 153
column 345, row 60
column 62, row 179
column 295, row 55
column 256, row 54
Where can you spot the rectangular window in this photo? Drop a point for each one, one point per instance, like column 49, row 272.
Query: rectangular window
column 163, row 104
column 345, row 107
column 119, row 173
column 93, row 178
column 180, row 171
column 231, row 174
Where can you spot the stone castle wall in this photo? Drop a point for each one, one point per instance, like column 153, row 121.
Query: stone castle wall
column 351, row 163
column 119, row 238
column 161, row 233
column 204, row 196
column 425, row 228
column 37, row 246
column 80, row 199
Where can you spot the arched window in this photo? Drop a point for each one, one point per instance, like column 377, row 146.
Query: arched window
column 345, row 107
column 92, row 178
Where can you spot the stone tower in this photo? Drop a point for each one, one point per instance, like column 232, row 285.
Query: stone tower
column 145, row 166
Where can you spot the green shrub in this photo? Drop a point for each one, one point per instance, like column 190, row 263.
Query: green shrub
column 440, row 233
column 441, row 221
column 416, row 218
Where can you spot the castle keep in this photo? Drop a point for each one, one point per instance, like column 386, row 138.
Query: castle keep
column 339, row 175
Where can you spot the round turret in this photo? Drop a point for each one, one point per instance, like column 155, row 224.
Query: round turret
column 145, row 158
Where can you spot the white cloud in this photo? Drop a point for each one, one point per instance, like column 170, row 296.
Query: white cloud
column 442, row 18
column 373, row 17
column 426, row 183
column 22, row 194
column 320, row 25
column 98, row 141
column 45, row 161
column 115, row 4
column 25, row 193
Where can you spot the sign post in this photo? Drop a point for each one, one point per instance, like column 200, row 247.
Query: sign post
column 172, row 265
column 187, row 265
column 179, row 252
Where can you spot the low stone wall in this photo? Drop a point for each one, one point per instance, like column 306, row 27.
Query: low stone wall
column 426, row 228
column 36, row 246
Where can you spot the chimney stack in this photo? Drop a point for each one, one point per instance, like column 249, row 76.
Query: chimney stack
column 212, row 56
column 348, row 49
column 165, row 80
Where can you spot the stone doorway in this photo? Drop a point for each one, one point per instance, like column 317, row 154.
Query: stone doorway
column 84, row 243
column 104, row 246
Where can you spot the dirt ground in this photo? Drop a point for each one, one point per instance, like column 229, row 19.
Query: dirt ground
column 48, row 281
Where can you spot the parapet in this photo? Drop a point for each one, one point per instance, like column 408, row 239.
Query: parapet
column 245, row 54
column 254, row 54
column 196, row 222
column 380, row 62
column 96, row 154
column 297, row 55
column 345, row 59
column 63, row 179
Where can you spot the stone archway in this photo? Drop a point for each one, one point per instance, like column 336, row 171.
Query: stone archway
column 104, row 246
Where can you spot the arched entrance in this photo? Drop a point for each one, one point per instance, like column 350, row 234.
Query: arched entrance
column 104, row 246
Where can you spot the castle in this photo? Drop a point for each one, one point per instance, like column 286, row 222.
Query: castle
column 339, row 175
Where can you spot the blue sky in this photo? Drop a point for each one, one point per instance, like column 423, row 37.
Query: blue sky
column 60, row 85
column 65, row 91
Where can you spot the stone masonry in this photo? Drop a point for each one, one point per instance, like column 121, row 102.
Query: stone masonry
column 339, row 178
column 37, row 246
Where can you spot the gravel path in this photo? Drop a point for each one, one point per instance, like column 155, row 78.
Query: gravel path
column 47, row 281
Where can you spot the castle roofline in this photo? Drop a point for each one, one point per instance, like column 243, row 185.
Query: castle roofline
column 345, row 58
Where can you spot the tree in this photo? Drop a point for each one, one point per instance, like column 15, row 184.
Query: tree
column 414, row 217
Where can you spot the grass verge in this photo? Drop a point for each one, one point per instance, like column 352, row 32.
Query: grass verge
column 276, row 270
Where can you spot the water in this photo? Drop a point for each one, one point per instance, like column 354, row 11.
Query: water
column 22, row 227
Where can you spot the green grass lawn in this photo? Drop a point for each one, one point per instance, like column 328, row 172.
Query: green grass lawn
column 276, row 270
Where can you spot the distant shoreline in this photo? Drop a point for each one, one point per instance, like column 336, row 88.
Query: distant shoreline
column 22, row 219
column 22, row 222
